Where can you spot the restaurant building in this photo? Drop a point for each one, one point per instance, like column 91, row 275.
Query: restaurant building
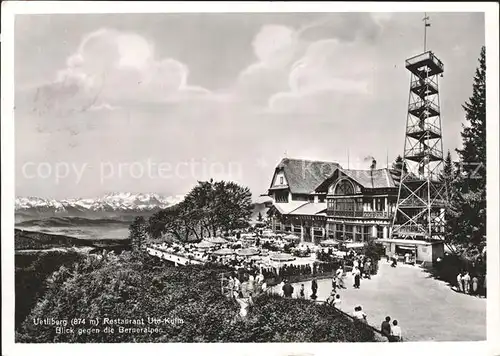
column 320, row 200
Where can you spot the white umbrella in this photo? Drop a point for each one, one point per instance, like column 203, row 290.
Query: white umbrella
column 329, row 242
column 223, row 252
column 282, row 257
column 248, row 252
column 205, row 245
column 291, row 237
column 219, row 240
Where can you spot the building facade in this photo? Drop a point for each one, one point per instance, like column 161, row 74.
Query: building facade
column 321, row 200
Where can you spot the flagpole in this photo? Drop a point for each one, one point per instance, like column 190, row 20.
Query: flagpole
column 425, row 31
column 426, row 24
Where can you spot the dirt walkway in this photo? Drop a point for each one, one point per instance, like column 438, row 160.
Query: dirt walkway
column 427, row 309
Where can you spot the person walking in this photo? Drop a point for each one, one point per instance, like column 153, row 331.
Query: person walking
column 356, row 273
column 385, row 328
column 280, row 288
column 394, row 261
column 302, row 293
column 340, row 276
column 368, row 266
column 396, row 335
column 314, row 288
column 337, row 303
column 251, row 283
column 460, row 286
column 466, row 282
column 334, row 284
column 475, row 285
column 287, row 290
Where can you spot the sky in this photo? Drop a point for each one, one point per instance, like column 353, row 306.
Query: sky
column 156, row 102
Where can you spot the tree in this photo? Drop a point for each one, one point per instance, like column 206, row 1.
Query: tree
column 209, row 207
column 469, row 225
column 138, row 233
column 473, row 153
column 399, row 166
column 259, row 217
column 232, row 206
column 448, row 178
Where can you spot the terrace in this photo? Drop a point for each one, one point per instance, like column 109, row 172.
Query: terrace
column 425, row 65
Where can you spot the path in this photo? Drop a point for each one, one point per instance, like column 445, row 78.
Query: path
column 427, row 309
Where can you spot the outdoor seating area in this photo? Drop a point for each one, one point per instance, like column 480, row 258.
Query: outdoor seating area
column 276, row 256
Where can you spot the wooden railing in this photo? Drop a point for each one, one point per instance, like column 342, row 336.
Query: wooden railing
column 359, row 214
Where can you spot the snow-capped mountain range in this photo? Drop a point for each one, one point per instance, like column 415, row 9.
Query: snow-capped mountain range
column 109, row 204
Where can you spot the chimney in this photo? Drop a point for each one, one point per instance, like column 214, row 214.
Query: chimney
column 374, row 164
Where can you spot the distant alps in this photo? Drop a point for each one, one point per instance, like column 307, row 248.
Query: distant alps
column 110, row 205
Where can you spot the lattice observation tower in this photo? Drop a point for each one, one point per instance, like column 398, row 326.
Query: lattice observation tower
column 421, row 197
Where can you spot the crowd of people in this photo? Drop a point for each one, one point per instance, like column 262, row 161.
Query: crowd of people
column 467, row 284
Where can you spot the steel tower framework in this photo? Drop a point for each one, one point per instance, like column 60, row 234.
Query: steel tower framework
column 421, row 197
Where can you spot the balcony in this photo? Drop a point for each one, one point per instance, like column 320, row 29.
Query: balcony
column 426, row 130
column 359, row 214
column 425, row 65
column 423, row 107
column 417, row 154
column 423, row 88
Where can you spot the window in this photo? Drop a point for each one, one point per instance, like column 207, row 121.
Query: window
column 281, row 180
column 281, row 197
column 347, row 204
column 344, row 187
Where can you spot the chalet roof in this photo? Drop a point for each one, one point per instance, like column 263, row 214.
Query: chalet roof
column 376, row 178
column 303, row 176
column 286, row 208
column 309, row 209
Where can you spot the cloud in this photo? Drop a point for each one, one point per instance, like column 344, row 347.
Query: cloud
column 381, row 18
column 327, row 66
column 115, row 68
column 103, row 106
column 289, row 60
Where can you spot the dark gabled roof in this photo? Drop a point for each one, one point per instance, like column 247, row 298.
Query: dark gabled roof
column 304, row 176
column 382, row 178
column 372, row 178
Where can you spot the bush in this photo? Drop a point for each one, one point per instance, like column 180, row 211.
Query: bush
column 276, row 319
column 30, row 274
column 121, row 287
column 373, row 250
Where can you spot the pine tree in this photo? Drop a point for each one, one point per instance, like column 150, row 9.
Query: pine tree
column 471, row 182
column 399, row 166
column 447, row 176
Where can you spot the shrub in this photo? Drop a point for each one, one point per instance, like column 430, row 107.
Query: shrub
column 30, row 274
column 127, row 288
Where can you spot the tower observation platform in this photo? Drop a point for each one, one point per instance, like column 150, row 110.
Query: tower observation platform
column 420, row 207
